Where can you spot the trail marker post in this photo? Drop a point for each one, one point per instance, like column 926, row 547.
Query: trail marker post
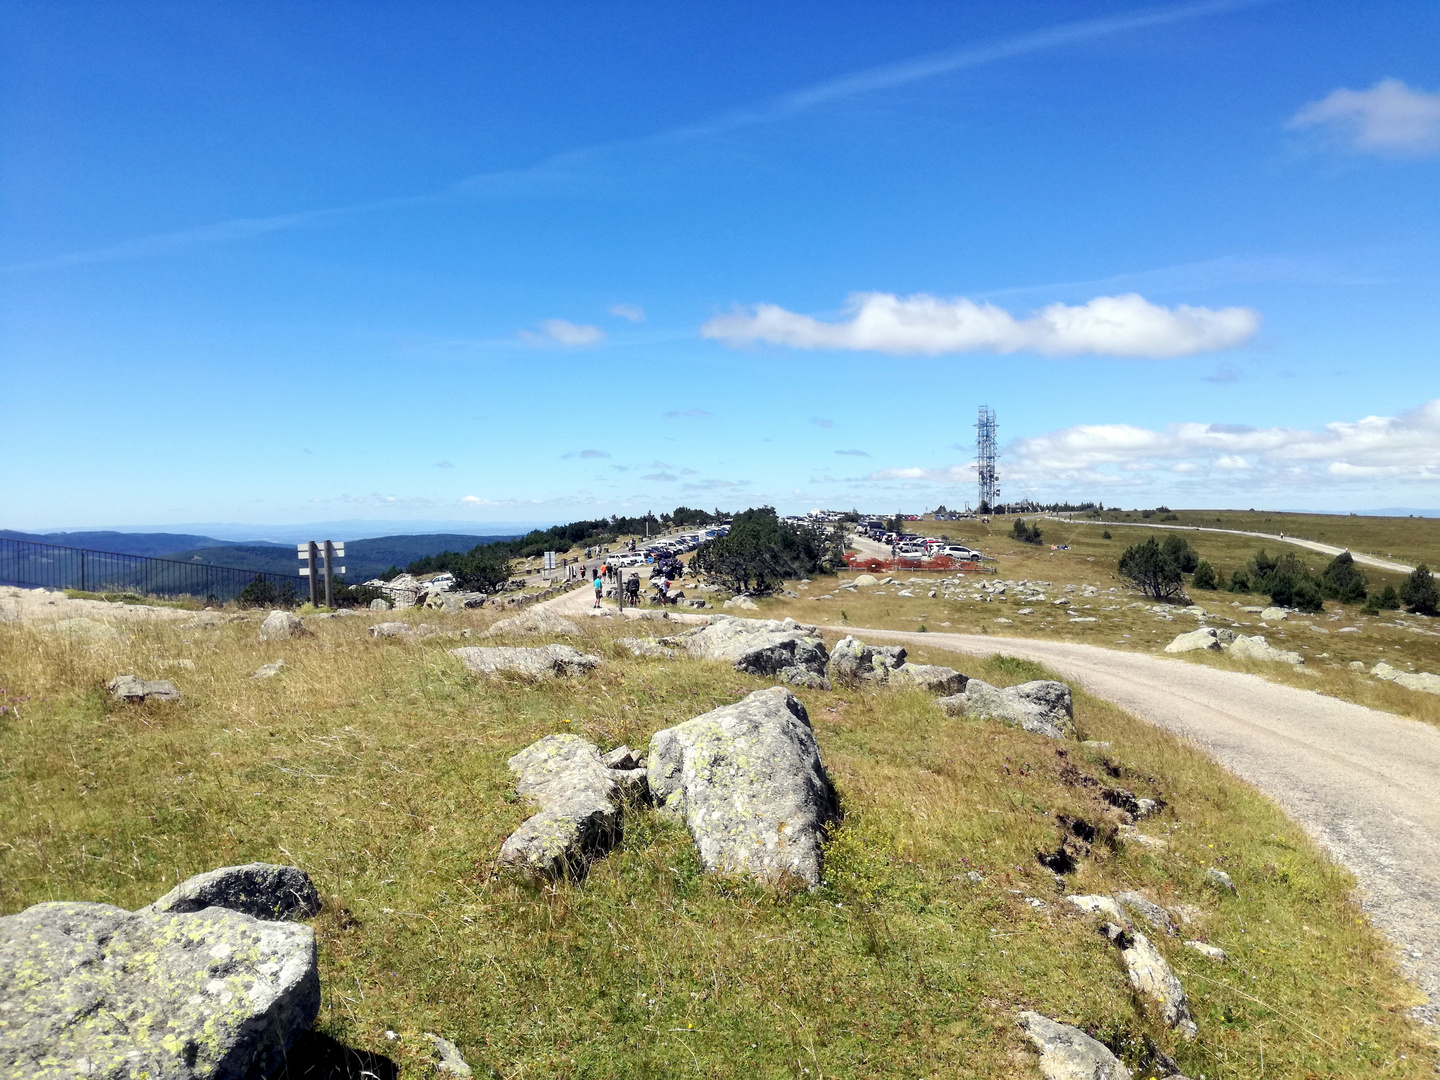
column 319, row 558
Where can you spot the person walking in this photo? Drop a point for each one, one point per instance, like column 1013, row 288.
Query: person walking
column 599, row 588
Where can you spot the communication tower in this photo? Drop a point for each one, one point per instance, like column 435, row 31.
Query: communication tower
column 985, row 454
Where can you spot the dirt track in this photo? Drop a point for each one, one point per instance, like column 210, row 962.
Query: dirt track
column 1365, row 784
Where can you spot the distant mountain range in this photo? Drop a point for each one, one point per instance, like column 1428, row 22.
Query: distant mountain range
column 156, row 545
column 364, row 559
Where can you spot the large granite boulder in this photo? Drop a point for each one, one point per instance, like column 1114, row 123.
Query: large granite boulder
column 134, row 688
column 580, row 799
column 1042, row 706
column 1067, row 1053
column 748, row 782
column 94, row 990
column 759, row 646
column 535, row 621
column 281, row 626
column 535, row 663
column 264, row 890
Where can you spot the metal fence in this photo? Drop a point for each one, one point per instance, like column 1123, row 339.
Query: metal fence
column 25, row 562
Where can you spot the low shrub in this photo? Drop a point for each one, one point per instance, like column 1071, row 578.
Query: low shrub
column 1419, row 592
column 1026, row 533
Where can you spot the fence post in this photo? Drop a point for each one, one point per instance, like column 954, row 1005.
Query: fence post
column 329, row 573
column 314, row 560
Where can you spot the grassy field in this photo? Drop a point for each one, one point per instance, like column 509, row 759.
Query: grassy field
column 1409, row 539
column 379, row 767
column 1124, row 621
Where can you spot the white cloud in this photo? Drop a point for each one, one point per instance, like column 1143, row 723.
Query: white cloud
column 1404, row 447
column 1127, row 325
column 852, row 453
column 1389, row 118
column 633, row 312
column 950, row 475
column 563, row 332
column 586, row 454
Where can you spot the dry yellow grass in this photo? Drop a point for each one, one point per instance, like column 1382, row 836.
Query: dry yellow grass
column 379, row 767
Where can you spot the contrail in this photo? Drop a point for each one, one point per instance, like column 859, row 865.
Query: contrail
column 504, row 182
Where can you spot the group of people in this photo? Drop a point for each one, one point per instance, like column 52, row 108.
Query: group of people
column 607, row 572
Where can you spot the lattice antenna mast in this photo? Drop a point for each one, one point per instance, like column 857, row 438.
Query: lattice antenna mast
column 985, row 455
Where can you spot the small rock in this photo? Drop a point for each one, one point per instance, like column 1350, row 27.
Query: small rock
column 803, row 677
column 1100, row 905
column 390, row 629
column 1204, row 949
column 646, row 647
column 547, row 660
column 1274, row 614
column 974, row 877
column 262, row 890
column 134, row 688
column 931, row 677
column 1067, row 1053
column 1151, row 912
column 1256, row 648
column 622, row 757
column 535, row 620
column 744, row 603
column 1042, row 706
column 1356, row 665
column 1003, row 621
column 282, row 626
column 379, row 604
column 447, row 1057
column 1152, row 978
column 579, row 815
column 268, row 671
column 1207, row 637
column 1129, row 832
column 1219, row 879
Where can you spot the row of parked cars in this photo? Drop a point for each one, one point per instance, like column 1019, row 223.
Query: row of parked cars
column 914, row 546
column 669, row 547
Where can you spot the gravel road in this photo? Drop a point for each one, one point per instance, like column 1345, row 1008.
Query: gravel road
column 1365, row 784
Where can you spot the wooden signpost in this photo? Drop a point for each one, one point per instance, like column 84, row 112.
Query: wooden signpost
column 319, row 558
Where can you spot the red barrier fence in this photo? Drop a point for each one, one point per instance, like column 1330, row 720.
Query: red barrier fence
column 938, row 564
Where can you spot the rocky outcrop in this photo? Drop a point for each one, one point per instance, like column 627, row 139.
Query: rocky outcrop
column 448, row 1060
column 758, row 646
column 1422, row 681
column 534, row 621
column 94, row 990
column 1100, row 905
column 262, row 890
column 1150, row 976
column 546, row 660
column 134, row 688
column 580, row 799
column 82, row 628
column 748, row 782
column 1256, row 648
column 282, row 626
column 744, row 603
column 1042, row 706
column 647, row 647
column 1067, row 1053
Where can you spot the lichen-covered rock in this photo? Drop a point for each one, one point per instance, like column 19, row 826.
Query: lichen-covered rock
column 931, row 677
column 1257, row 648
column 94, row 990
column 264, row 890
column 758, row 646
column 534, row 621
column 1219, row 879
column 1151, row 978
column 1042, row 706
column 390, row 629
column 748, row 782
column 853, row 661
column 281, row 626
column 134, row 688
column 580, row 800
column 546, row 660
column 804, row 678
column 1067, row 1053
column 448, row 1059
column 268, row 671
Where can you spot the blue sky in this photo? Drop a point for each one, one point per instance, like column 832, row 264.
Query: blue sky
column 275, row 263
